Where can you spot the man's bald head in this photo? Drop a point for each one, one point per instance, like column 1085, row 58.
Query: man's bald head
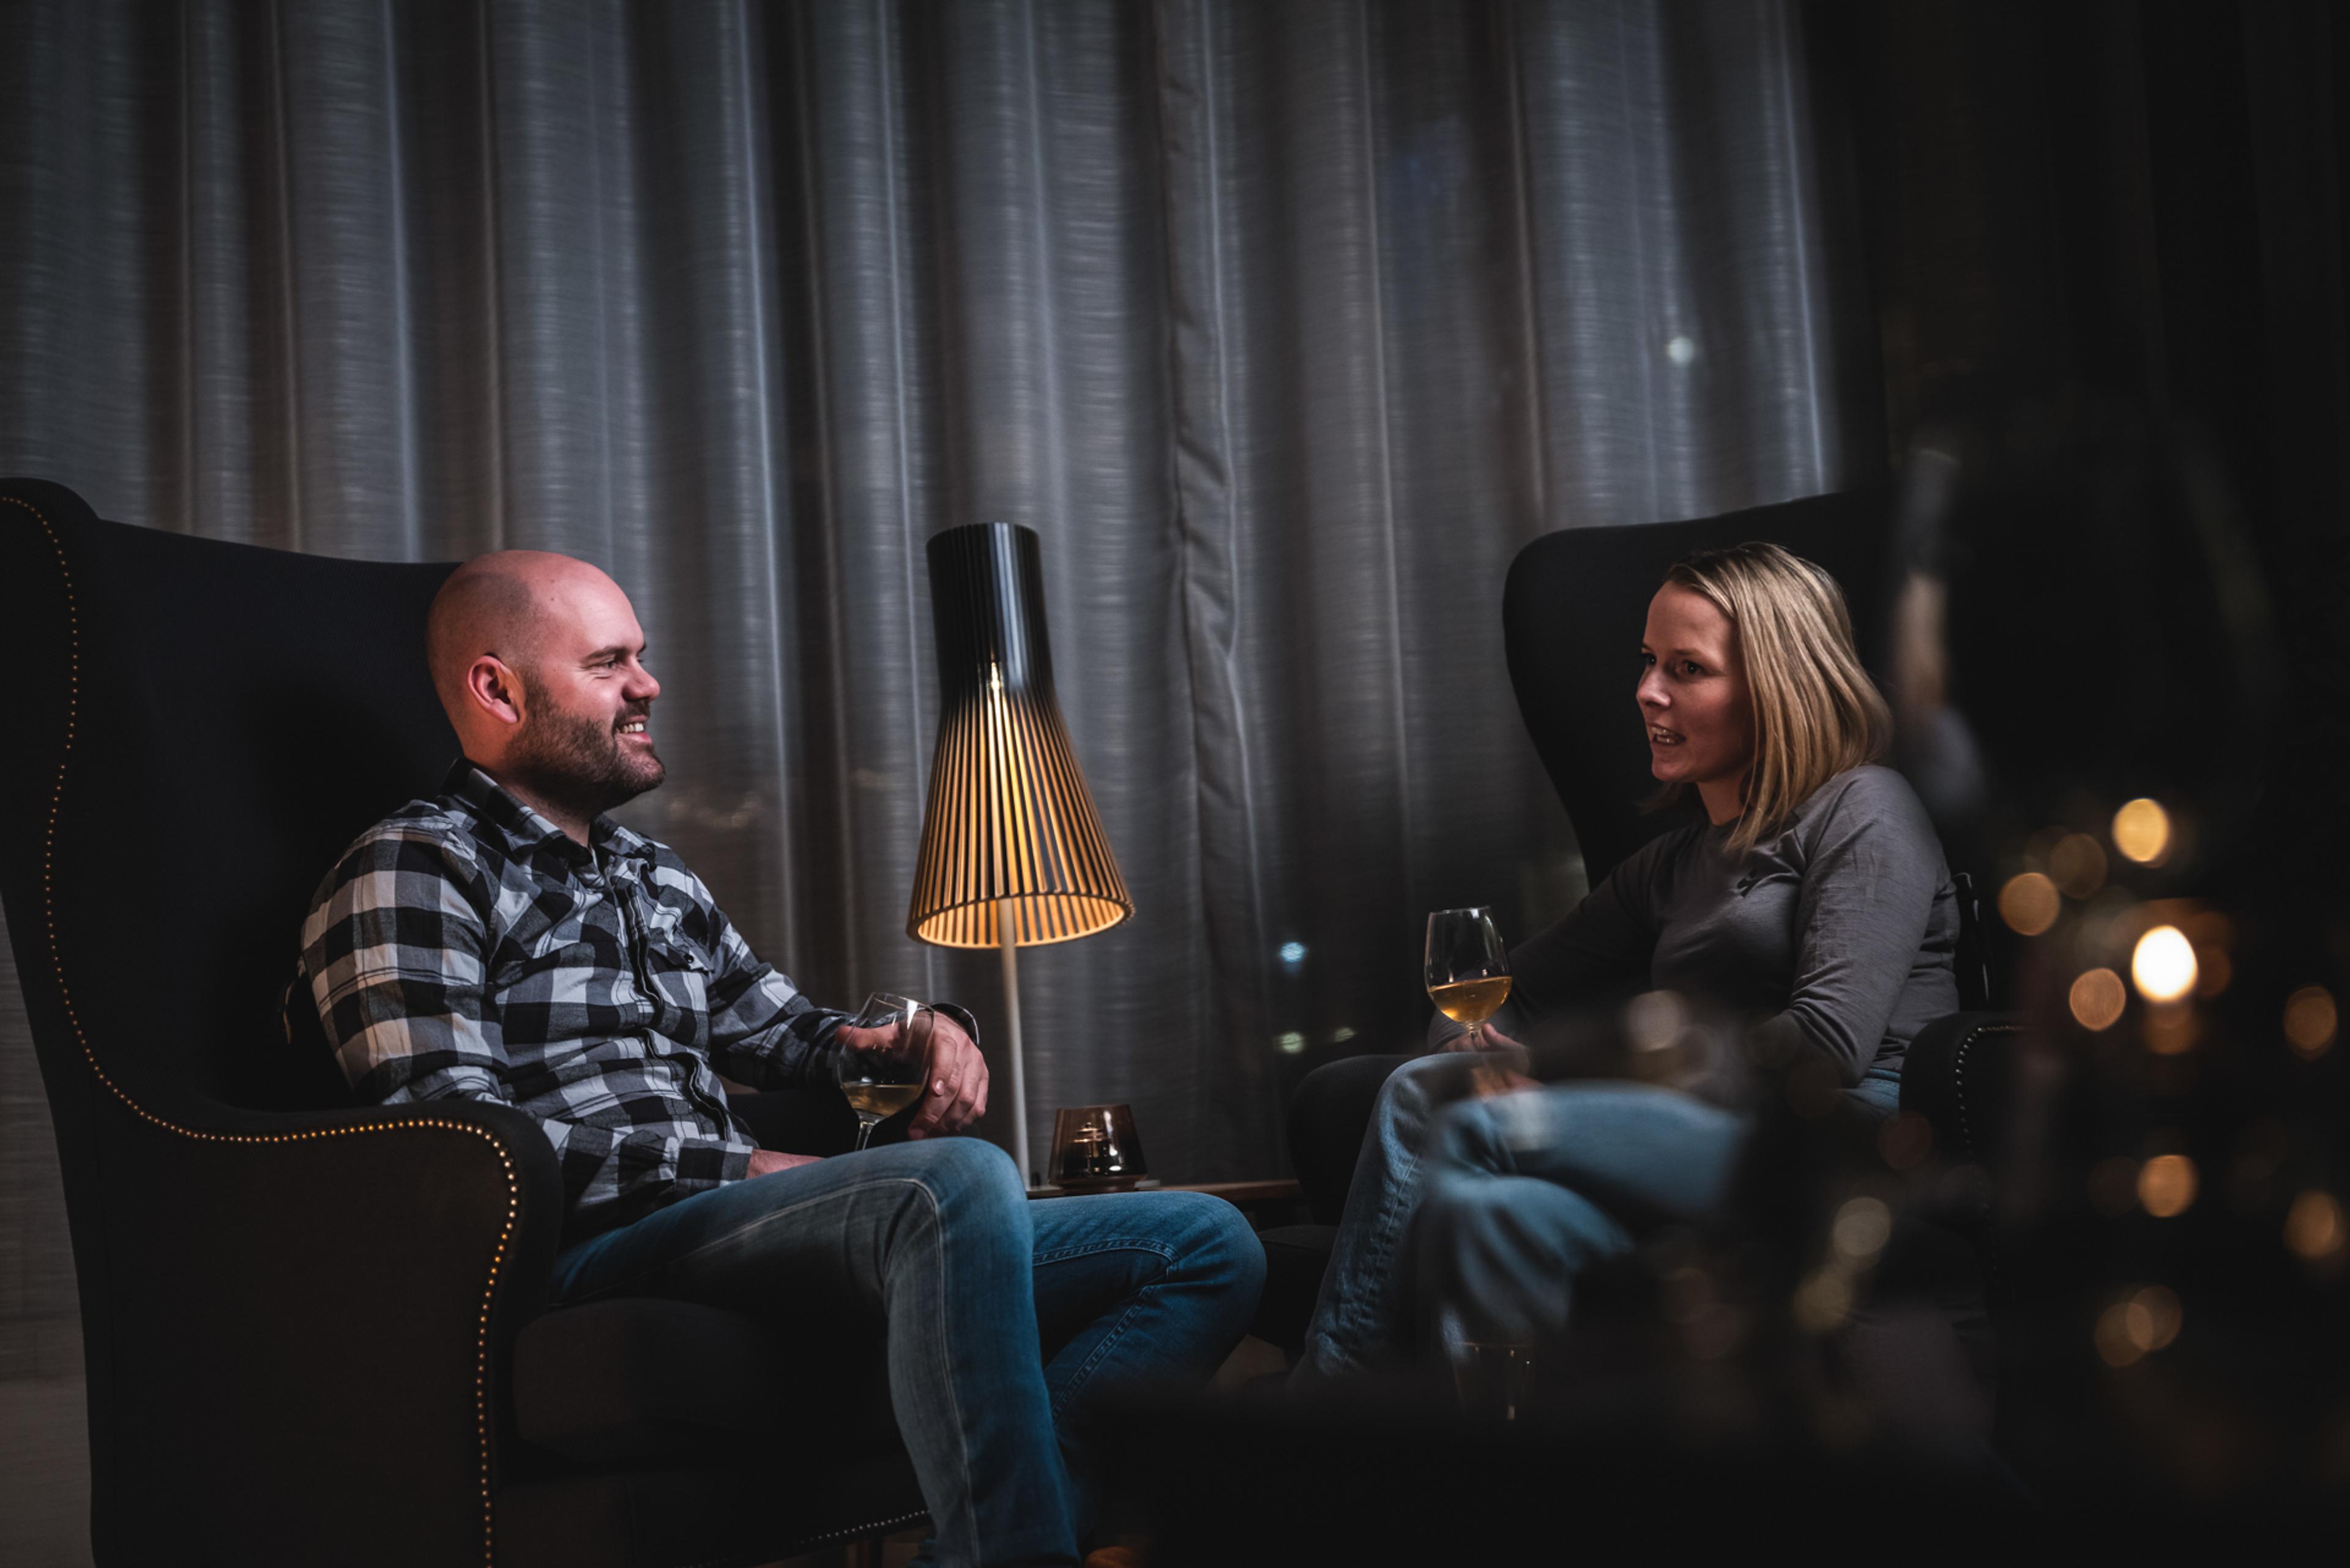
column 500, row 605
column 538, row 659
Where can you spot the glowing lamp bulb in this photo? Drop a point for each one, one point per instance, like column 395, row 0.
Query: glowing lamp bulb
column 2163, row 964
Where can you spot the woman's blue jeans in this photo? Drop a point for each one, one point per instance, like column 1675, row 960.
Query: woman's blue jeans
column 1483, row 1211
column 1005, row 1321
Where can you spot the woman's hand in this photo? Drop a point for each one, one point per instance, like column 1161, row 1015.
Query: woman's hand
column 1482, row 1037
column 1502, row 1068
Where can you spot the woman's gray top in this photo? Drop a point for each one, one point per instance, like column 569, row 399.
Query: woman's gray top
column 1838, row 931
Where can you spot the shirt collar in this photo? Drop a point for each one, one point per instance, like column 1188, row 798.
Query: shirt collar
column 525, row 830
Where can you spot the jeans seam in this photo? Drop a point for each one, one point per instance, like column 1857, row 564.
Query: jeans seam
column 939, row 1338
column 1121, row 1244
column 1102, row 1348
column 1384, row 1235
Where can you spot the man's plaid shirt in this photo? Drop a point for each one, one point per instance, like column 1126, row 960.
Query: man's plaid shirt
column 467, row 946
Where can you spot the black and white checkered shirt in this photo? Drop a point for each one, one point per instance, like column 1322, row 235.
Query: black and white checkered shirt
column 466, row 946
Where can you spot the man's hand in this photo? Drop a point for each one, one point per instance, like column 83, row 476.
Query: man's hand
column 766, row 1161
column 958, row 1092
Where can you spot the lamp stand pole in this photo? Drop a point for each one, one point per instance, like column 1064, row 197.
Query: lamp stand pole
column 1007, row 939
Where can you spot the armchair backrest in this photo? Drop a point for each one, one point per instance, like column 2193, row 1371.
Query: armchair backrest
column 226, row 718
column 1572, row 614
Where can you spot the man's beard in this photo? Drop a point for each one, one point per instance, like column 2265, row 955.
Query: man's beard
column 576, row 764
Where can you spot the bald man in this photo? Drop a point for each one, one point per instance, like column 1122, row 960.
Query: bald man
column 508, row 941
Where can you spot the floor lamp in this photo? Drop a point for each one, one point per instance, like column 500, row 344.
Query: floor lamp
column 1012, row 853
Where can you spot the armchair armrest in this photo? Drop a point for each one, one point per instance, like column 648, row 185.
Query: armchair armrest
column 309, row 1320
column 1958, row 1076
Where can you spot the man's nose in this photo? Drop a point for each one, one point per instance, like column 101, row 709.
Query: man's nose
column 642, row 686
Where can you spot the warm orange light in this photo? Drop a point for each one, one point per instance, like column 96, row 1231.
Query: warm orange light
column 2219, row 970
column 2142, row 831
column 2310, row 1020
column 2163, row 964
column 2113, row 1185
column 2029, row 903
column 2166, row 1185
column 2312, row 1227
column 2154, row 1317
column 2170, row 1029
column 2097, row 999
column 2116, row 1346
column 2077, row 864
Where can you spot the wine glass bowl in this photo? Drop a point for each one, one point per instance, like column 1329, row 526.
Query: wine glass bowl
column 885, row 1059
column 1468, row 968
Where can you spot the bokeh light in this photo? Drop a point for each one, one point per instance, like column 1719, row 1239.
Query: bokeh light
column 2113, row 1185
column 1824, row 1300
column 2166, row 1185
column 1861, row 1228
column 2140, row 1324
column 1653, row 1020
column 2170, row 1029
column 2163, row 964
column 2097, row 999
column 2312, row 1227
column 2077, row 864
column 2142, row 831
column 2310, row 1020
column 2029, row 904
column 2115, row 1344
column 2155, row 1317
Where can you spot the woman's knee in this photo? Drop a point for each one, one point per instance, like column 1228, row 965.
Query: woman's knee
column 1423, row 1081
column 1469, row 1136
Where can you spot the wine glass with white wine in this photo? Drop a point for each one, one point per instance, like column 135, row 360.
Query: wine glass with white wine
column 1468, row 968
column 885, row 1065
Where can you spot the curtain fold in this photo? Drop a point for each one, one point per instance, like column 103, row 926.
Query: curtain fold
column 1285, row 325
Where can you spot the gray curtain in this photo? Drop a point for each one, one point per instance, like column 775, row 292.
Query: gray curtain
column 1285, row 324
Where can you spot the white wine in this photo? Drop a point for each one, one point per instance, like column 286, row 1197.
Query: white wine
column 1470, row 1001
column 880, row 1099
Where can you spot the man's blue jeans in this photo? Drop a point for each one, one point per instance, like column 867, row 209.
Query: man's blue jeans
column 1487, row 1209
column 970, row 1278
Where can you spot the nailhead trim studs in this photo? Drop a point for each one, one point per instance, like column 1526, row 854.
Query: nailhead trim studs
column 73, row 1021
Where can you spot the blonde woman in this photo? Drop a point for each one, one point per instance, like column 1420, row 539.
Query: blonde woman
column 1809, row 902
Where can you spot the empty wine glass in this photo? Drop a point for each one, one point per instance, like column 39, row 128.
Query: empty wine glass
column 885, row 1064
column 1468, row 968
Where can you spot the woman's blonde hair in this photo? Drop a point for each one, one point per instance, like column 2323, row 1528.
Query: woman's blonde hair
column 1816, row 712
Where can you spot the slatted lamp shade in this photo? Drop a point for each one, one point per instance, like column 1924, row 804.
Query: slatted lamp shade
column 1012, row 853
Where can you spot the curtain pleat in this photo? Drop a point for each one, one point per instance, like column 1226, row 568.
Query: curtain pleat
column 1285, row 325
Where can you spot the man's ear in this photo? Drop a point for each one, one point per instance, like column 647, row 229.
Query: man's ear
column 494, row 689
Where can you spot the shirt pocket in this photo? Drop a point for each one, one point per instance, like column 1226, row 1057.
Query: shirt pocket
column 680, row 968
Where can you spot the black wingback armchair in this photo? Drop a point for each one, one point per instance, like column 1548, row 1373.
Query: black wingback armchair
column 313, row 1332
column 1573, row 611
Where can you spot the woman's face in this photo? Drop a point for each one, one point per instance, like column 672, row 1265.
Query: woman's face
column 1693, row 697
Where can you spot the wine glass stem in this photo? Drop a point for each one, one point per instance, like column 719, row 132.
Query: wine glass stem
column 865, row 1126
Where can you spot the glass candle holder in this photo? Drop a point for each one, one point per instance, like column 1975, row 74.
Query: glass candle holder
column 1094, row 1149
